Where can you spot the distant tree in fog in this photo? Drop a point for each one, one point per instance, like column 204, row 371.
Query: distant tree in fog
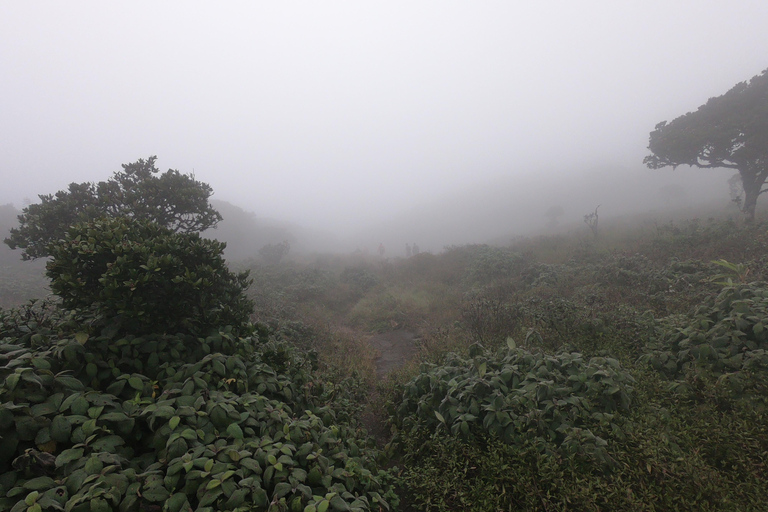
column 591, row 220
column 729, row 131
column 173, row 200
column 273, row 253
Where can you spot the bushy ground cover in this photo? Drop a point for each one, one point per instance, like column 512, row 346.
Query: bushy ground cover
column 145, row 387
column 563, row 372
column 525, row 349
column 684, row 333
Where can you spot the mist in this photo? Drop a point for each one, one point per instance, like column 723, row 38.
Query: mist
column 357, row 124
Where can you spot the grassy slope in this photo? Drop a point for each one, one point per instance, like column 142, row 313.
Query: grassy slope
column 698, row 447
column 696, row 450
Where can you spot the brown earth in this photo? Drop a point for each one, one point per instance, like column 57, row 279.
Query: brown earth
column 395, row 348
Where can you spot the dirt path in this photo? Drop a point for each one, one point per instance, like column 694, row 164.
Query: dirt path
column 395, row 349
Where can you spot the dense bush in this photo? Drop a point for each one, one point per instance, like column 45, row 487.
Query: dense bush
column 555, row 402
column 142, row 278
column 490, row 263
column 727, row 338
column 173, row 200
column 248, row 428
column 147, row 388
column 488, row 319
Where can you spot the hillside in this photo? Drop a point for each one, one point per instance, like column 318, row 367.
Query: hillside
column 667, row 344
column 623, row 371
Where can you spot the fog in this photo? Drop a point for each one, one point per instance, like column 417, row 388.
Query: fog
column 429, row 122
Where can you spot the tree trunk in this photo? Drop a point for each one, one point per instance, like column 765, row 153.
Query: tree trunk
column 752, row 187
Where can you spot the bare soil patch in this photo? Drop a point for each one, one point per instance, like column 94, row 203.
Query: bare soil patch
column 395, row 348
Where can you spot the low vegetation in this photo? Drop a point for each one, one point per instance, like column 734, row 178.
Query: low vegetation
column 624, row 372
column 146, row 388
column 565, row 372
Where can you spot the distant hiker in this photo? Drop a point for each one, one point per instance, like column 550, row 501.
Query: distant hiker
column 415, row 249
column 407, row 250
column 381, row 250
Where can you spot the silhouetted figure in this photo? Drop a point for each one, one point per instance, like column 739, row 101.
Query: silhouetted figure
column 415, row 249
column 407, row 250
column 381, row 250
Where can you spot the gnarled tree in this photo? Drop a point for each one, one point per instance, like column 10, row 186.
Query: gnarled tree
column 173, row 200
column 729, row 131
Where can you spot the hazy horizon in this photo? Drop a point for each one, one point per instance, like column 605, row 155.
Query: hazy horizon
column 346, row 116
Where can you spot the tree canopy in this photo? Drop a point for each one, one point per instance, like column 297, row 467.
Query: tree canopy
column 729, row 131
column 141, row 278
column 173, row 200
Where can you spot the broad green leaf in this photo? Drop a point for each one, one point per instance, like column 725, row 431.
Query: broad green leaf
column 40, row 483
column 281, row 490
column 12, row 380
column 113, row 416
column 41, row 364
column 260, row 498
column 235, row 431
column 136, row 383
column 61, row 429
column 175, row 502
column 69, row 382
column 31, row 498
column 156, row 494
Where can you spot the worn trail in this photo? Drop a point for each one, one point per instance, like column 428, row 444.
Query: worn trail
column 395, row 349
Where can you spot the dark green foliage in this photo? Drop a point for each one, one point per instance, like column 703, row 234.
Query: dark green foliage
column 147, row 389
column 490, row 319
column 727, row 337
column 137, row 277
column 729, row 131
column 556, row 403
column 245, row 425
column 173, row 200
column 691, row 461
column 695, row 437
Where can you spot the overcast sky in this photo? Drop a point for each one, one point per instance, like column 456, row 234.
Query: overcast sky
column 341, row 113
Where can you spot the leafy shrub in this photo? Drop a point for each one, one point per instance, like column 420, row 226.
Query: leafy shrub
column 360, row 278
column 557, row 403
column 173, row 200
column 729, row 333
column 143, row 278
column 492, row 263
column 490, row 320
column 245, row 428
column 138, row 395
